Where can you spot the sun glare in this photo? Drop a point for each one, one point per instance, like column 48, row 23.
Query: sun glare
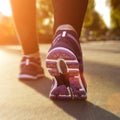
column 104, row 10
column 5, row 7
column 100, row 7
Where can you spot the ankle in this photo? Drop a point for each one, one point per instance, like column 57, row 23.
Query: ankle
column 35, row 55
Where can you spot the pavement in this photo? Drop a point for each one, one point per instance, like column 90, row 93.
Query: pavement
column 28, row 100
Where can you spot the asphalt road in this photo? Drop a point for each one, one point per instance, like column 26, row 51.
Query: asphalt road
column 28, row 100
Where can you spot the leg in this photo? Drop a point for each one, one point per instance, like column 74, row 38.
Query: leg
column 64, row 60
column 69, row 12
column 24, row 14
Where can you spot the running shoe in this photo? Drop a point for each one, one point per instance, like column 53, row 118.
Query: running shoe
column 30, row 69
column 64, row 63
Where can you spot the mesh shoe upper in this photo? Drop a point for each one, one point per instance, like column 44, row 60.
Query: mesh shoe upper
column 30, row 68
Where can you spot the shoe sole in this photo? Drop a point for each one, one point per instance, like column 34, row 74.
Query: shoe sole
column 61, row 60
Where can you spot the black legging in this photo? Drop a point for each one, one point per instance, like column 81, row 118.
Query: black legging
column 69, row 12
column 65, row 12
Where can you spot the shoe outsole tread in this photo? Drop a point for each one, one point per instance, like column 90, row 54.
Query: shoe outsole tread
column 62, row 61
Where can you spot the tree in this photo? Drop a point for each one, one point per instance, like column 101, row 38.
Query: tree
column 88, row 18
column 44, row 16
column 7, row 33
column 115, row 16
column 93, row 22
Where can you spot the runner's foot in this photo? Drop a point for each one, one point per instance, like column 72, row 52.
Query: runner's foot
column 64, row 63
column 30, row 69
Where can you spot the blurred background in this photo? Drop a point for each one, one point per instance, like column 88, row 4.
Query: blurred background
column 102, row 21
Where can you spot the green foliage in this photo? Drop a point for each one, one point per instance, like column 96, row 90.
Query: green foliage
column 93, row 22
column 115, row 3
column 96, row 22
column 88, row 17
column 115, row 14
column 44, row 16
column 115, row 18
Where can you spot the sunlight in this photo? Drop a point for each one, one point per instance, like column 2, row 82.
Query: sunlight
column 104, row 10
column 2, row 55
column 5, row 7
column 46, row 22
column 100, row 7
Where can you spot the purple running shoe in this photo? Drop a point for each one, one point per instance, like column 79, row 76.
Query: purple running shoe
column 30, row 69
column 64, row 63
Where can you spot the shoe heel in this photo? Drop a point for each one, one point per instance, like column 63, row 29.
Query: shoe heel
column 62, row 54
column 62, row 60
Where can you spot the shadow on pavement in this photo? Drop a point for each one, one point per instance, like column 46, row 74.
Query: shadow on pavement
column 42, row 85
column 80, row 110
column 102, row 75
